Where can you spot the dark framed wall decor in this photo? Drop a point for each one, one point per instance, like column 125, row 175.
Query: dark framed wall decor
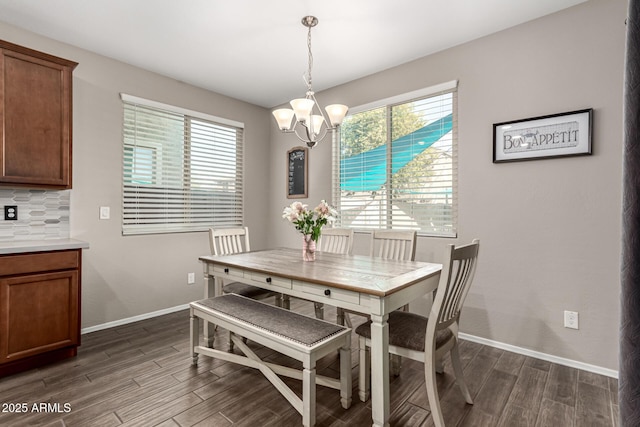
column 297, row 172
column 556, row 135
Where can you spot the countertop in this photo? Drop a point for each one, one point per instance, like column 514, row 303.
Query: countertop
column 23, row 246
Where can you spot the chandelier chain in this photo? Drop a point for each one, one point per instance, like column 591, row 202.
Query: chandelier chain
column 309, row 78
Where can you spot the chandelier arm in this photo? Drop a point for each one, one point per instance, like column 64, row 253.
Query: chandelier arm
column 319, row 137
column 307, row 140
column 326, row 123
column 310, row 142
column 324, row 133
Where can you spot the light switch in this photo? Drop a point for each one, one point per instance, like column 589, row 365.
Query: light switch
column 105, row 212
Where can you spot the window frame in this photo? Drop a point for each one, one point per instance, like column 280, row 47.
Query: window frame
column 388, row 104
column 185, row 181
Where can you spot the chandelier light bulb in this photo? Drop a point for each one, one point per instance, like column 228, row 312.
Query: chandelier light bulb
column 316, row 124
column 336, row 113
column 302, row 107
column 283, row 117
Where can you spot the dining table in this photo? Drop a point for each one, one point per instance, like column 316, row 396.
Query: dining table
column 363, row 284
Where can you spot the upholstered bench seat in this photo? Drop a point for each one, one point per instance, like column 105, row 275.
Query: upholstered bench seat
column 300, row 337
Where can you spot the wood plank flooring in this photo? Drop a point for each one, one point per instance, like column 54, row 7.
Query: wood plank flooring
column 141, row 375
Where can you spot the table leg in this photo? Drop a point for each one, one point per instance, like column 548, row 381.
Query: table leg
column 209, row 291
column 380, row 400
column 194, row 339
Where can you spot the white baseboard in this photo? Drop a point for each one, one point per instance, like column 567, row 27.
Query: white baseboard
column 543, row 356
column 512, row 348
column 133, row 319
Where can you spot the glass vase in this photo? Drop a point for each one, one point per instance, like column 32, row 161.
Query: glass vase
column 308, row 248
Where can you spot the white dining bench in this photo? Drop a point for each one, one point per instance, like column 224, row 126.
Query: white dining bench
column 300, row 337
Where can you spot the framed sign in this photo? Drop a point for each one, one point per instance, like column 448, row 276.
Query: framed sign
column 297, row 173
column 557, row 135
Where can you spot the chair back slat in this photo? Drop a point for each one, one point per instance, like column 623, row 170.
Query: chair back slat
column 393, row 245
column 227, row 241
column 336, row 241
column 457, row 274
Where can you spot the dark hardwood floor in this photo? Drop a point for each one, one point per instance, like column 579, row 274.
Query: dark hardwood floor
column 141, row 375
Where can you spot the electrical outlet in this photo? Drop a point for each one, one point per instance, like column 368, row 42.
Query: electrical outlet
column 571, row 319
column 10, row 213
column 191, row 278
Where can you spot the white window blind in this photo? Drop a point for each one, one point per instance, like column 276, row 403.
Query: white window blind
column 395, row 164
column 182, row 170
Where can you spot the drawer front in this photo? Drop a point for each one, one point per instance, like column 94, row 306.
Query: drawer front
column 327, row 292
column 222, row 272
column 274, row 281
column 39, row 262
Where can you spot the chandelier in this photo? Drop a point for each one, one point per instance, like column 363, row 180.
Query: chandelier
column 315, row 126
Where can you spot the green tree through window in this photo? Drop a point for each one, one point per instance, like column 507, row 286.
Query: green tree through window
column 396, row 166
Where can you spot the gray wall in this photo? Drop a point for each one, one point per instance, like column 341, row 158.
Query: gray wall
column 549, row 229
column 130, row 276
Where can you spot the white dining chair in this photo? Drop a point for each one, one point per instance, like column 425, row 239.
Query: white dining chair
column 428, row 340
column 227, row 241
column 335, row 241
column 399, row 245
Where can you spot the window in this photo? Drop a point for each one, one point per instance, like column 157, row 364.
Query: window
column 394, row 165
column 141, row 170
column 182, row 170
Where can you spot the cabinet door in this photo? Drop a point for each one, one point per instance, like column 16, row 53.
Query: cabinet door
column 38, row 313
column 35, row 116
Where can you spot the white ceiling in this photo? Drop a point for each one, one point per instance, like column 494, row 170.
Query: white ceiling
column 255, row 50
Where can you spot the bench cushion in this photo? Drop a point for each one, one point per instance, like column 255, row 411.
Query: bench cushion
column 294, row 326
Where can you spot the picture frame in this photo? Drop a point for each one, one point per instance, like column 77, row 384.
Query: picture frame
column 555, row 135
column 297, row 173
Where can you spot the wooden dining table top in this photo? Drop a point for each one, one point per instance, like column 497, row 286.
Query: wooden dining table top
column 357, row 273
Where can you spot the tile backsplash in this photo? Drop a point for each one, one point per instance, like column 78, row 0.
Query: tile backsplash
column 42, row 214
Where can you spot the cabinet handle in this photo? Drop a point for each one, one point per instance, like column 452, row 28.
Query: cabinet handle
column 327, row 292
column 268, row 279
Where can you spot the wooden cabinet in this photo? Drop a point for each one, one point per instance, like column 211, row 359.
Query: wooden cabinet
column 35, row 118
column 39, row 308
